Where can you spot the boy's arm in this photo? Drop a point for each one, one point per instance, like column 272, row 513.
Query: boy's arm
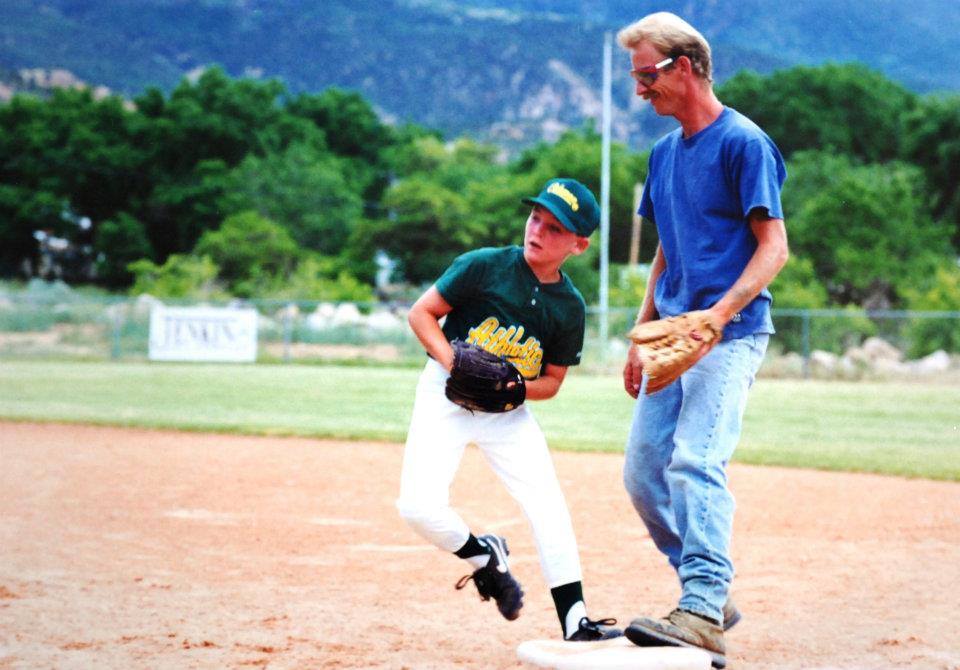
column 548, row 383
column 424, row 319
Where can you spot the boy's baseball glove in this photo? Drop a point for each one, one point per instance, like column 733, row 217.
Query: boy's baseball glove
column 482, row 381
column 667, row 348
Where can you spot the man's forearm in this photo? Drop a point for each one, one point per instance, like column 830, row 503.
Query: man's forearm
column 648, row 307
column 767, row 261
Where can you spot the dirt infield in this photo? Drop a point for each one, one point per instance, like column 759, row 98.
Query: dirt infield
column 124, row 548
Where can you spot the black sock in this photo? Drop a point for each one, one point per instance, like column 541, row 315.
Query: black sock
column 472, row 548
column 565, row 597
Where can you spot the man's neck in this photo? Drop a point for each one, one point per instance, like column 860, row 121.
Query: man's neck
column 704, row 109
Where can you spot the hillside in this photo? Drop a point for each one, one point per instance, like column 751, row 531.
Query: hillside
column 522, row 71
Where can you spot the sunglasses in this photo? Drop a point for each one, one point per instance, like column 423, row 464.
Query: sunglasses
column 648, row 74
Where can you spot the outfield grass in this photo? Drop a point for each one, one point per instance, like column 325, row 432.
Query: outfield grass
column 890, row 428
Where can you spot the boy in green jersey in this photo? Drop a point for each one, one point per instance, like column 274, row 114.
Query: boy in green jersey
column 517, row 303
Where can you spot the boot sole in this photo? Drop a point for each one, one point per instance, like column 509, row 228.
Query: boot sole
column 644, row 637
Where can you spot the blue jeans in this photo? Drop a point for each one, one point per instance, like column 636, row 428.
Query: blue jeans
column 680, row 442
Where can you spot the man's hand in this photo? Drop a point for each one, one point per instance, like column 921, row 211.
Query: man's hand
column 666, row 348
column 633, row 371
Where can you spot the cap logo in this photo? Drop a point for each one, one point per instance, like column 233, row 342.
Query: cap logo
column 564, row 194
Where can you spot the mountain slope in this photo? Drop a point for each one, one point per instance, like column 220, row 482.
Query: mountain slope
column 513, row 71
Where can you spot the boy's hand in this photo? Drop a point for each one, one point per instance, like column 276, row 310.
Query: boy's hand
column 482, row 381
column 447, row 358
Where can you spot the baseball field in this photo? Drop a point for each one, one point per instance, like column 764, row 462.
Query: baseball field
column 213, row 516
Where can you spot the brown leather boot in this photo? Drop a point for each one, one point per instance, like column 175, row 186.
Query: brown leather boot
column 680, row 628
column 731, row 615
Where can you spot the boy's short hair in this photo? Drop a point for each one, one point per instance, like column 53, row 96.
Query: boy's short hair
column 674, row 37
column 572, row 203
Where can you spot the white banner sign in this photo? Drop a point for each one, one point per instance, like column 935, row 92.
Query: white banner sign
column 203, row 334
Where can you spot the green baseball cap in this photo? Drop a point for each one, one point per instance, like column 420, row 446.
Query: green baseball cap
column 572, row 203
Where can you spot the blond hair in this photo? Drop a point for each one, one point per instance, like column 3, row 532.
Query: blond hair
column 673, row 36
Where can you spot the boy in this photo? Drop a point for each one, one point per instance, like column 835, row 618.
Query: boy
column 513, row 301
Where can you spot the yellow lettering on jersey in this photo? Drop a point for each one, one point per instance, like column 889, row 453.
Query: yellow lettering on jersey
column 527, row 356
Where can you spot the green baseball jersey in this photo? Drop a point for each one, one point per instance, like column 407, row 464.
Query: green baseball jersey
column 500, row 305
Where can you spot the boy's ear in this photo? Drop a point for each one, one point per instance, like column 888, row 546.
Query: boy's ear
column 583, row 243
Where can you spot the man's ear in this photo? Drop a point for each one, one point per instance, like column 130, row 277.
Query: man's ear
column 583, row 243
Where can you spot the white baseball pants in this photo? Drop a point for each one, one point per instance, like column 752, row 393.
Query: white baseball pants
column 515, row 448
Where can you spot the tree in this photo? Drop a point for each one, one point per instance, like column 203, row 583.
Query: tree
column 429, row 225
column 24, row 211
column 867, row 229
column 491, row 194
column 72, row 145
column 451, row 197
column 194, row 139
column 423, row 154
column 354, row 132
column 251, row 252
column 797, row 286
column 117, row 243
column 321, row 278
column 98, row 167
column 214, row 118
column 842, row 108
column 940, row 292
column 495, row 207
column 351, row 125
column 303, row 189
column 66, row 159
column 181, row 276
column 180, row 210
column 932, row 141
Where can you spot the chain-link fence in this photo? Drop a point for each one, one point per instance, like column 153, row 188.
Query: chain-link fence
column 59, row 323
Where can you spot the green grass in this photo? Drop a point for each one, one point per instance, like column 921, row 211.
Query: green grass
column 890, row 428
column 908, row 429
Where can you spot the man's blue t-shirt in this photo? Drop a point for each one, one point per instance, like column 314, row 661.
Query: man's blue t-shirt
column 699, row 193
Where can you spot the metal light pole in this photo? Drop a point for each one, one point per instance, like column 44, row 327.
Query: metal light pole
column 605, row 201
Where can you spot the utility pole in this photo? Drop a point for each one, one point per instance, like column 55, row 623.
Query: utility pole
column 605, row 201
column 635, row 230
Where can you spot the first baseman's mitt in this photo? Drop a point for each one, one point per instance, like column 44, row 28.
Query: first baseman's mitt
column 482, row 381
column 666, row 347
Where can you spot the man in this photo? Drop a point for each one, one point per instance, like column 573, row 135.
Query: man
column 713, row 192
